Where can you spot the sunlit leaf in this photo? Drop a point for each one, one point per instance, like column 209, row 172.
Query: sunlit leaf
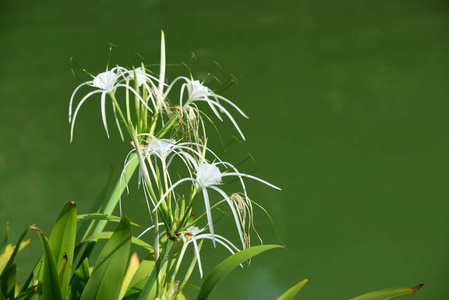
column 109, row 271
column 79, row 280
column 50, row 280
column 9, row 250
column 228, row 265
column 388, row 293
column 8, row 281
column 108, row 234
column 133, row 266
column 100, row 216
column 6, row 239
column 16, row 249
column 292, row 291
column 62, row 243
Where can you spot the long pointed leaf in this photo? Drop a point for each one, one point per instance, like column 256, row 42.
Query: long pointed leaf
column 109, row 271
column 17, row 248
column 388, row 293
column 62, row 243
column 108, row 234
column 50, row 280
column 79, row 280
column 155, row 272
column 9, row 251
column 228, row 265
column 292, row 291
column 109, row 206
column 8, row 281
column 6, row 239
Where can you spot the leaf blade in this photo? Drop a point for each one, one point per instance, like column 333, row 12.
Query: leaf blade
column 228, row 265
column 109, row 271
column 290, row 293
column 387, row 294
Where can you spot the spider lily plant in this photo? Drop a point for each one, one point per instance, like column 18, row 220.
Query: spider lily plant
column 168, row 139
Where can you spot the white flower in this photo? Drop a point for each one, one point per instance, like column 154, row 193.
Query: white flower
column 161, row 148
column 197, row 92
column 193, row 234
column 166, row 150
column 208, row 176
column 106, row 83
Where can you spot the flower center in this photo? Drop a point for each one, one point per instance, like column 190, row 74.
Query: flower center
column 161, row 147
column 105, row 80
column 208, row 174
column 197, row 90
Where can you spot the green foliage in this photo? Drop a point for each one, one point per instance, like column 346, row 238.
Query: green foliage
column 228, row 265
column 388, row 293
column 109, row 270
column 292, row 291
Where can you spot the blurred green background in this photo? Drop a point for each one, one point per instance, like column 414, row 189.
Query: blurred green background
column 348, row 105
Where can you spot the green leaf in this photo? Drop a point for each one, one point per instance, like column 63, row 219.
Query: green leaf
column 6, row 239
column 62, row 243
column 293, row 291
column 108, row 207
column 144, row 270
column 8, row 281
column 26, row 294
column 109, row 271
column 228, row 265
column 50, row 280
column 17, row 248
column 30, row 280
column 155, row 272
column 100, row 216
column 388, row 293
column 108, row 234
column 79, row 280
column 9, row 251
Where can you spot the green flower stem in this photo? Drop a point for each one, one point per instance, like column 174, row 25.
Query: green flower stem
column 128, row 125
column 188, row 210
column 156, row 270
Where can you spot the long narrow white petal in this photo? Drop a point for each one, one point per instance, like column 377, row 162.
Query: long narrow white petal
column 162, row 66
column 209, row 214
column 217, row 238
column 73, row 96
column 78, row 108
column 234, row 212
column 170, row 189
column 146, row 230
column 103, row 113
column 135, row 93
column 224, row 110
column 197, row 253
column 231, row 103
column 252, row 177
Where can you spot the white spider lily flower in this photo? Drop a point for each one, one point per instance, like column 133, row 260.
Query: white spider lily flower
column 197, row 92
column 166, row 150
column 209, row 176
column 160, row 147
column 193, row 235
column 105, row 83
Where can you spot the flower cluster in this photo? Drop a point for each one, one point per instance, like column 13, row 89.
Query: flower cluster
column 169, row 140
